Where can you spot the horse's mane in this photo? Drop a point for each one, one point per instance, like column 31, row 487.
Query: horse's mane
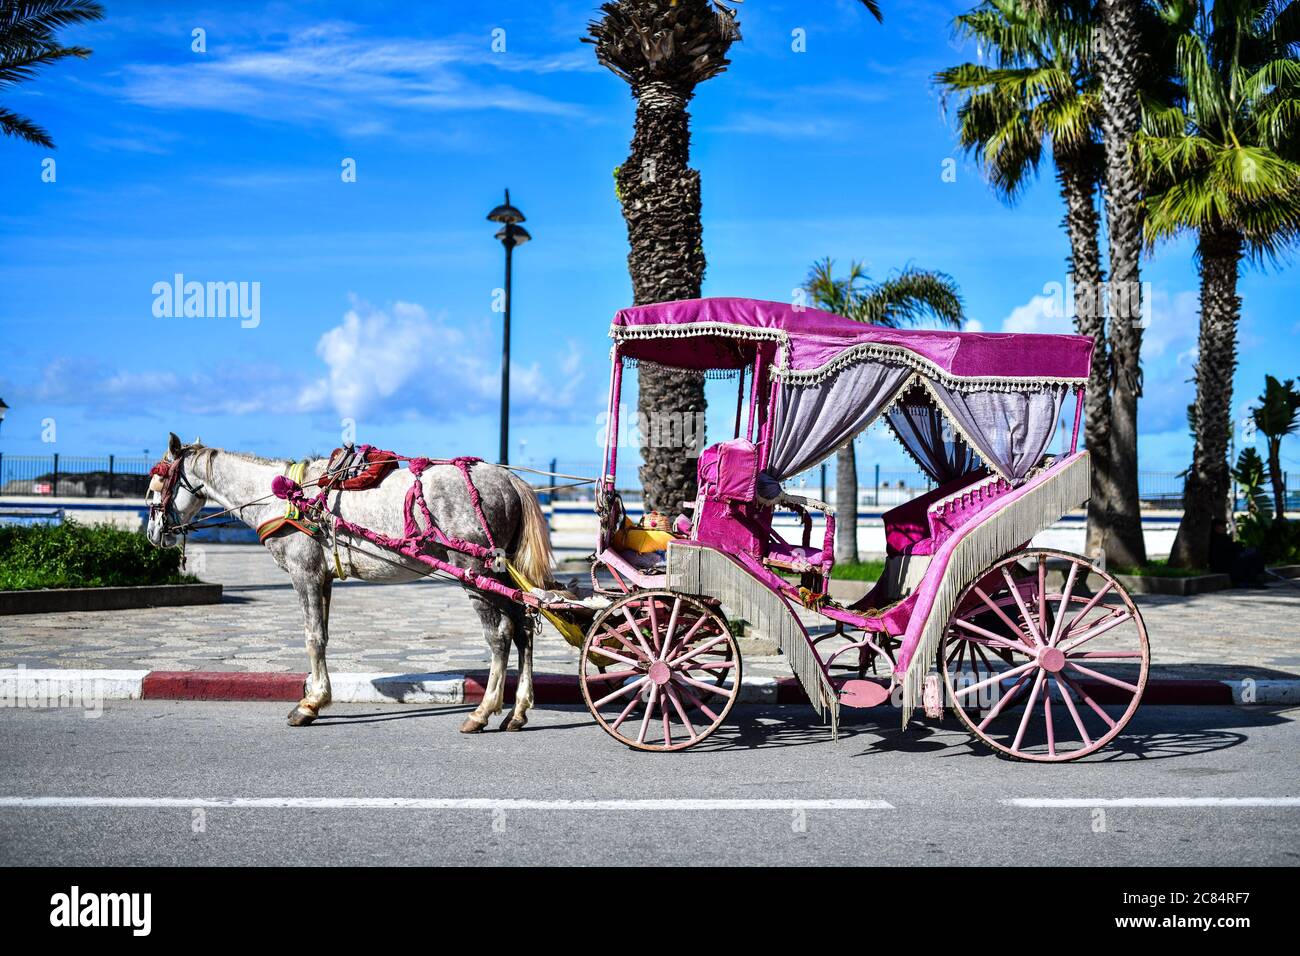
column 247, row 456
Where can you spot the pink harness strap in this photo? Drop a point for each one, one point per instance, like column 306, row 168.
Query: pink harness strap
column 415, row 538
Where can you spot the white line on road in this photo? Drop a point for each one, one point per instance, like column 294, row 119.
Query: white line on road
column 435, row 803
column 1172, row 802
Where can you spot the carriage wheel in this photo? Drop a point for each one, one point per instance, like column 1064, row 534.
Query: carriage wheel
column 672, row 670
column 1029, row 663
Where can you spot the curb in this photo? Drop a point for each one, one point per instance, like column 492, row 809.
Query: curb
column 19, row 685
column 48, row 600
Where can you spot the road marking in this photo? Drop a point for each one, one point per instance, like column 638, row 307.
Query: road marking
column 434, row 803
column 1172, row 802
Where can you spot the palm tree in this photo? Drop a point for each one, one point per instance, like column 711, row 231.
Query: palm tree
column 1121, row 57
column 1223, row 162
column 28, row 43
column 1039, row 85
column 1277, row 416
column 906, row 298
column 663, row 49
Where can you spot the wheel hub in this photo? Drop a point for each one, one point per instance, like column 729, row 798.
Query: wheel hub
column 660, row 673
column 1051, row 659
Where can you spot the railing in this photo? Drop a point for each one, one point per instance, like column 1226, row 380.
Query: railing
column 127, row 476
column 74, row 476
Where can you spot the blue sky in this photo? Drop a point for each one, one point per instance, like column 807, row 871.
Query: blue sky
column 376, row 295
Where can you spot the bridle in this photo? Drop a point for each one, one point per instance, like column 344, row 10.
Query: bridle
column 172, row 473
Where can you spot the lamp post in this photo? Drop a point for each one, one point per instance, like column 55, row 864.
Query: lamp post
column 510, row 234
column 3, row 409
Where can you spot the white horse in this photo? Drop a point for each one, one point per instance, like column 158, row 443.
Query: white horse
column 190, row 476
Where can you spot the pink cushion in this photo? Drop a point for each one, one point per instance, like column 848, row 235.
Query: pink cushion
column 728, row 471
column 908, row 525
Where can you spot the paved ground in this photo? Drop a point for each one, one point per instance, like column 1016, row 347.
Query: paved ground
column 429, row 627
column 924, row 797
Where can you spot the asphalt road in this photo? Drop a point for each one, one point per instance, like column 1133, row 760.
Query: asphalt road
column 321, row 795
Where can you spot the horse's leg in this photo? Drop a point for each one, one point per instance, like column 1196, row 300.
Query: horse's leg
column 314, row 596
column 497, row 630
column 524, row 691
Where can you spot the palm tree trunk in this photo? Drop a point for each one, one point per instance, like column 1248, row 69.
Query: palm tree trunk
column 1077, row 177
column 846, row 505
column 1205, row 491
column 660, row 195
column 1275, row 476
column 1119, row 53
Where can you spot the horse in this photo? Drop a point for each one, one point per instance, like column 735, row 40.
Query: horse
column 190, row 476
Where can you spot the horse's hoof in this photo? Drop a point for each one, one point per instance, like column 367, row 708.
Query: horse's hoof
column 472, row 725
column 514, row 723
column 300, row 718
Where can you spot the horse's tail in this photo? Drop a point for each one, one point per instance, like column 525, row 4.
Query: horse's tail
column 533, row 556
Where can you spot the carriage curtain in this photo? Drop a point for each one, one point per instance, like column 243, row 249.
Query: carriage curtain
column 1010, row 430
column 932, row 441
column 811, row 421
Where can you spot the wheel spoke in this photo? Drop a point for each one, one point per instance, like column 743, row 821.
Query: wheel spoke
column 1003, row 701
column 996, row 609
column 694, row 699
column 681, row 711
column 1047, row 719
column 998, row 676
column 625, row 689
column 1092, row 602
column 636, row 630
column 1098, row 629
column 1029, row 709
column 711, row 688
column 649, row 709
column 1069, row 705
column 708, row 645
column 636, row 699
column 632, row 648
column 1020, row 603
column 1083, row 695
column 976, row 629
column 614, row 656
column 1104, row 678
column 672, row 628
column 1066, row 593
column 610, row 675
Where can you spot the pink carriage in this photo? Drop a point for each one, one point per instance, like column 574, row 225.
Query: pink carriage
column 1040, row 653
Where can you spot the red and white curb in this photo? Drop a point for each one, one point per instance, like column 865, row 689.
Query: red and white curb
column 27, row 686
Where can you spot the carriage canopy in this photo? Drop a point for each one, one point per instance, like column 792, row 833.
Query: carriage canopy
column 955, row 400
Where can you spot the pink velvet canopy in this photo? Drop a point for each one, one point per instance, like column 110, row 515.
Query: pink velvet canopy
column 701, row 333
column 956, row 400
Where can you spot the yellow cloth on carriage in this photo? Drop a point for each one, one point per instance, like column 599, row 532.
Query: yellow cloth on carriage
column 640, row 540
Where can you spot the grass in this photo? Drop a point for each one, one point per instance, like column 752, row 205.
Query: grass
column 858, row 571
column 1160, row 569
column 74, row 555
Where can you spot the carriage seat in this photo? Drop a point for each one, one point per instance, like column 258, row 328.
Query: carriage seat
column 909, row 528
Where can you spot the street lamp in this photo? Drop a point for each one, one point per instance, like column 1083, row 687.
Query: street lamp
column 510, row 234
column 3, row 408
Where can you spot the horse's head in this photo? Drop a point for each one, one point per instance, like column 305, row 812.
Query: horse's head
column 174, row 498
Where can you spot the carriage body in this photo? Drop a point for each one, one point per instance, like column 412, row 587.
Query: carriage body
column 977, row 412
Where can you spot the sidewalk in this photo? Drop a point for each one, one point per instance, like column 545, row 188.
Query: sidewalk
column 429, row 627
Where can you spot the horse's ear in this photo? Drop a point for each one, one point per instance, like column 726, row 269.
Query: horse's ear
column 174, row 446
column 197, row 442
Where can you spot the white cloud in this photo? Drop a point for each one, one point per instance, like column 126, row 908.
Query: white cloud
column 331, row 73
column 402, row 361
column 1042, row 313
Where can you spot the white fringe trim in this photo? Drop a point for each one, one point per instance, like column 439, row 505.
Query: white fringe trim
column 1006, row 527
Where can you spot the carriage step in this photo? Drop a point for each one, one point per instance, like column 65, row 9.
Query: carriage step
column 863, row 693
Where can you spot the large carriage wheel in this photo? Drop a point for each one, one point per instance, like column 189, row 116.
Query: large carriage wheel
column 1045, row 657
column 671, row 670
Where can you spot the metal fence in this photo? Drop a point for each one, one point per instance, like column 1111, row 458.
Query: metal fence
column 74, row 476
column 127, row 476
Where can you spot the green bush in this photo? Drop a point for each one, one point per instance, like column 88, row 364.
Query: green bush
column 73, row 555
column 1278, row 541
